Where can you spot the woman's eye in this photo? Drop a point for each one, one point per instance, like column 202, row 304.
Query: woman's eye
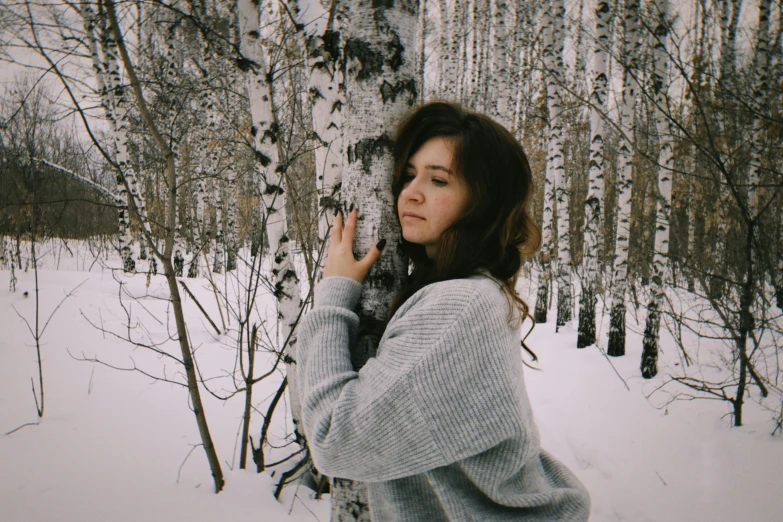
column 439, row 182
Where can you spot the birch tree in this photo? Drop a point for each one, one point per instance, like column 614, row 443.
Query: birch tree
column 113, row 96
column 630, row 53
column 501, row 109
column 760, row 99
column 327, row 99
column 595, row 190
column 659, row 92
column 562, row 194
column 379, row 80
column 555, row 187
column 269, row 172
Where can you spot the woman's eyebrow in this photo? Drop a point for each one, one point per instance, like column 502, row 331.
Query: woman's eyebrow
column 431, row 167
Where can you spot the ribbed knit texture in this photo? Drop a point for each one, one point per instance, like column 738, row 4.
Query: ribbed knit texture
column 438, row 424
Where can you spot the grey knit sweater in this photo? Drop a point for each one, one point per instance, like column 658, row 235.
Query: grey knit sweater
column 438, row 424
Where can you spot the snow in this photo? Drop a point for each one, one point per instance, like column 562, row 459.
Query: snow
column 111, row 443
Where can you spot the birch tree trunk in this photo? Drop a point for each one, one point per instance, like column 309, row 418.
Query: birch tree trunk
column 270, row 173
column 556, row 80
column 595, row 184
column 231, row 227
column 576, row 23
column 760, row 95
column 218, row 200
column 555, row 169
column 472, row 73
column 326, row 101
column 166, row 35
column 380, row 87
column 421, row 39
column 659, row 88
column 500, row 100
column 449, row 43
column 100, row 65
column 631, row 48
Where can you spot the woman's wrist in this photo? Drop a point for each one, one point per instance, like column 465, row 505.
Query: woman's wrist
column 337, row 291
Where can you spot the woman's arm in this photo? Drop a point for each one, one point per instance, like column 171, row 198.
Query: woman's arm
column 410, row 409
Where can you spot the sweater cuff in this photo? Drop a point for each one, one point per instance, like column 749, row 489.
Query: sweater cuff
column 337, row 291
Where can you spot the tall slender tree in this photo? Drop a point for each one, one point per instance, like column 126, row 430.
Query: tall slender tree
column 502, row 106
column 659, row 92
column 270, row 173
column 105, row 67
column 562, row 192
column 630, row 55
column 556, row 184
column 760, row 99
column 379, row 81
column 595, row 187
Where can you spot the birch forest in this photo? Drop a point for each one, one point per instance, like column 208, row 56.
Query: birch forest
column 208, row 143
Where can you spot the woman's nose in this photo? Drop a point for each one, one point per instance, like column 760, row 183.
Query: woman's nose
column 412, row 191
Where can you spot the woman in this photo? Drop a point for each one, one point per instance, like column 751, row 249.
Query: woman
column 438, row 424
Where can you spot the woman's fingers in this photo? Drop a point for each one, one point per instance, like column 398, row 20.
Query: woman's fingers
column 372, row 255
column 337, row 228
column 350, row 225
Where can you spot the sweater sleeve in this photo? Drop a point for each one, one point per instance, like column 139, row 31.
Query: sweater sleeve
column 381, row 423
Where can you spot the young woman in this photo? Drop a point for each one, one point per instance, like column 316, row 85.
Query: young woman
column 438, row 424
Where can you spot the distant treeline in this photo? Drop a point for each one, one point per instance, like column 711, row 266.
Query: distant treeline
column 37, row 199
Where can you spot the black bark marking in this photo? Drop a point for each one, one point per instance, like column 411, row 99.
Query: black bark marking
column 365, row 150
column 389, row 92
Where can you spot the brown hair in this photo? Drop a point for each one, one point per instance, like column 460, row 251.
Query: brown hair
column 497, row 231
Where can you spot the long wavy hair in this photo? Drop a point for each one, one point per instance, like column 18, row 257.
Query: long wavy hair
column 497, row 231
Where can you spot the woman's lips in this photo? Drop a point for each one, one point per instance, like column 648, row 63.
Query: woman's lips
column 412, row 218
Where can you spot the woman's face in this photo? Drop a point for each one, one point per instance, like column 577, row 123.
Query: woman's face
column 433, row 196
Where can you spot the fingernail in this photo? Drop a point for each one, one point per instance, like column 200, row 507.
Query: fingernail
column 381, row 244
column 336, row 210
column 350, row 208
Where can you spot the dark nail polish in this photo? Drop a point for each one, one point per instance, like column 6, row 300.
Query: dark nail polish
column 381, row 244
column 336, row 210
column 350, row 208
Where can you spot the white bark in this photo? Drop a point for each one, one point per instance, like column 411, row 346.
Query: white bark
column 218, row 200
column 379, row 83
column 729, row 23
column 231, row 226
column 327, row 100
column 630, row 53
column 595, row 183
column 659, row 88
column 576, row 22
column 474, row 69
column 459, row 51
column 449, row 42
column 529, row 42
column 500, row 103
column 420, row 61
column 555, row 187
column 270, row 174
column 113, row 93
column 760, row 95
column 556, row 163
column 166, row 37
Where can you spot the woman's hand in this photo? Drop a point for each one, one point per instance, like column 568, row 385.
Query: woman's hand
column 339, row 258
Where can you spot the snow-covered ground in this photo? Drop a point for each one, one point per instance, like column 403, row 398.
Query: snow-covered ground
column 112, row 444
